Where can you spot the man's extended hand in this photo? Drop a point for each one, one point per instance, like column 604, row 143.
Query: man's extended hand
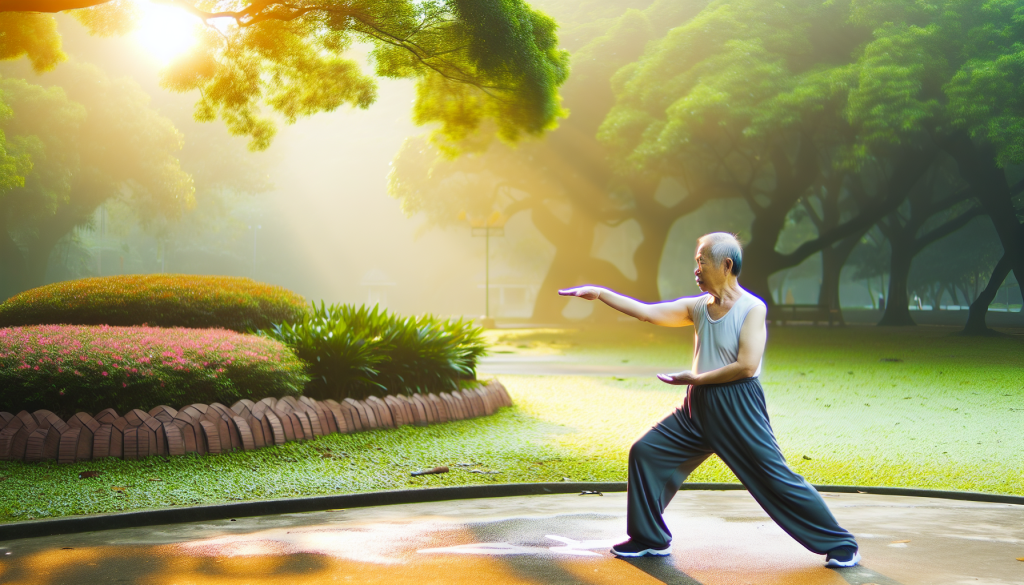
column 685, row 378
column 591, row 293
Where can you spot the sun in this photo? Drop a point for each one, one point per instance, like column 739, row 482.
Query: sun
column 165, row 32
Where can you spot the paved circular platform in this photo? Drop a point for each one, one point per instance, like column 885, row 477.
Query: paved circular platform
column 720, row 538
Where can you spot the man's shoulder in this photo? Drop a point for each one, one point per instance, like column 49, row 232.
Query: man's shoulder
column 754, row 299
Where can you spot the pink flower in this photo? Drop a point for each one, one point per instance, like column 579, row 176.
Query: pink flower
column 104, row 373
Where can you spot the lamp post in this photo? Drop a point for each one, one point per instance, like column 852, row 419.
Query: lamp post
column 492, row 225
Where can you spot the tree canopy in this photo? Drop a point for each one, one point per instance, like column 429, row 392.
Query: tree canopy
column 838, row 105
column 473, row 61
column 89, row 139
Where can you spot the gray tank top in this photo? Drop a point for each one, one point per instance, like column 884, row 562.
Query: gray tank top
column 717, row 343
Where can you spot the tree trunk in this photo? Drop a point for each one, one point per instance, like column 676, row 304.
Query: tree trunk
column 573, row 265
column 655, row 223
column 979, row 308
column 833, row 258
column 647, row 260
column 897, row 301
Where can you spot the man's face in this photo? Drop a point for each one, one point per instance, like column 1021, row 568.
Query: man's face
column 708, row 276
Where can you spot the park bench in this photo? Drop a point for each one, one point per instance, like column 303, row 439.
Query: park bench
column 780, row 314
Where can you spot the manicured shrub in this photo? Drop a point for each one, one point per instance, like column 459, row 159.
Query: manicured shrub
column 354, row 352
column 161, row 300
column 71, row 368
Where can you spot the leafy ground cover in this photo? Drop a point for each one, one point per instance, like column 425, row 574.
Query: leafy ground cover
column 948, row 416
column 162, row 300
column 355, row 352
column 72, row 368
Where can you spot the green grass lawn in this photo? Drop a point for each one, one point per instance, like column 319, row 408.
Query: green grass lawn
column 948, row 416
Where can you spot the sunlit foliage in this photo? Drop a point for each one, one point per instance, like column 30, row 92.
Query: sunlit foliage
column 473, row 61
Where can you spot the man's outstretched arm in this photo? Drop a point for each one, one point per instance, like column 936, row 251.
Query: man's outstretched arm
column 677, row 313
column 753, row 336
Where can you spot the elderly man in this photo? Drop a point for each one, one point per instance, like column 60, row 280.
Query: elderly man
column 724, row 413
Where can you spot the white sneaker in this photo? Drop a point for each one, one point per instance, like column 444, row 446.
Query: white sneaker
column 631, row 549
column 843, row 556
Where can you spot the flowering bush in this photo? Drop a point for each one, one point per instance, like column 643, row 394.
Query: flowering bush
column 162, row 300
column 67, row 369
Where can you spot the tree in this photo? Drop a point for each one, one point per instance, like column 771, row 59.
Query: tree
column 938, row 207
column 90, row 140
column 785, row 105
column 955, row 69
column 750, row 100
column 473, row 61
column 564, row 182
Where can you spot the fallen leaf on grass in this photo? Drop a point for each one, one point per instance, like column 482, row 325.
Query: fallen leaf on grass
column 118, row 488
column 3, row 477
column 327, row 456
column 88, row 474
column 442, row 469
column 807, row 458
column 154, row 479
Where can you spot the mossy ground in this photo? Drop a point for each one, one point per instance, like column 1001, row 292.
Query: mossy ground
column 948, row 416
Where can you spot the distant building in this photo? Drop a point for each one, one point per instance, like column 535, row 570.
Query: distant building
column 377, row 283
column 512, row 300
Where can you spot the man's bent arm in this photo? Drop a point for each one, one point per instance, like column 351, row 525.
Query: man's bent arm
column 753, row 336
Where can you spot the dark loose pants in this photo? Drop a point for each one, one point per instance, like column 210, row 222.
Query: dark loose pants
column 730, row 420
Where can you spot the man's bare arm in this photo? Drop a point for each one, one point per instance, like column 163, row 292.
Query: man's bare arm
column 753, row 336
column 677, row 313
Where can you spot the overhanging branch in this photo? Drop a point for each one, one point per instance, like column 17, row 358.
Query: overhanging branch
column 48, row 6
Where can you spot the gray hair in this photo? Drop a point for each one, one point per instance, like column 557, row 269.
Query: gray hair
column 722, row 245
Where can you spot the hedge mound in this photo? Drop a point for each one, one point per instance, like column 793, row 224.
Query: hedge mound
column 162, row 300
column 70, row 368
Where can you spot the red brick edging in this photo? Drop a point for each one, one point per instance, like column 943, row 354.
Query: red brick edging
column 215, row 428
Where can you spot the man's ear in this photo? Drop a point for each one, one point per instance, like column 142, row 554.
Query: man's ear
column 727, row 264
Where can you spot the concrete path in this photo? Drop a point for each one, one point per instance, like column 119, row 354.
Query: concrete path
column 556, row 365
column 720, row 538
